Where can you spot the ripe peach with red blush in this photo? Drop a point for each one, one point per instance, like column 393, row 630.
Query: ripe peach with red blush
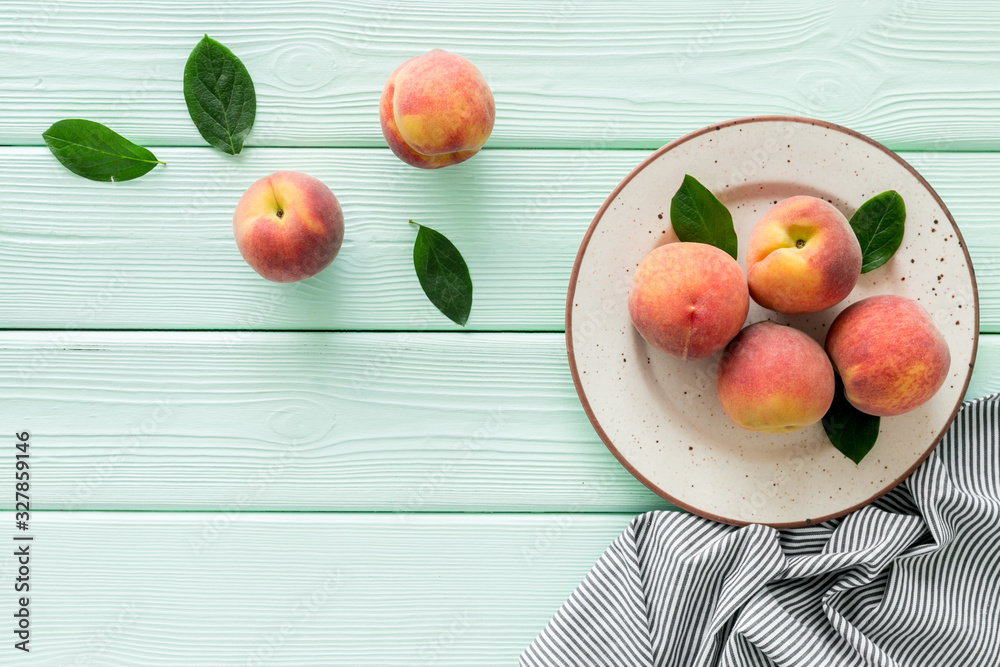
column 775, row 379
column 889, row 353
column 803, row 257
column 688, row 299
column 288, row 226
column 436, row 110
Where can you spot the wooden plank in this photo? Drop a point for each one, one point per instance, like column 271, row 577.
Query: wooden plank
column 312, row 421
column 922, row 74
column 308, row 421
column 150, row 589
column 158, row 252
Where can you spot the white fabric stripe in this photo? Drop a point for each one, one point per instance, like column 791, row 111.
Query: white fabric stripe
column 911, row 580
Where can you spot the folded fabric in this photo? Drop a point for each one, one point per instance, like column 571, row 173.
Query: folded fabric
column 912, row 579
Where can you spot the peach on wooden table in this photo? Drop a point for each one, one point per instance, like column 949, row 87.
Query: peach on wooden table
column 889, row 354
column 288, row 226
column 688, row 299
column 775, row 379
column 436, row 110
column 803, row 256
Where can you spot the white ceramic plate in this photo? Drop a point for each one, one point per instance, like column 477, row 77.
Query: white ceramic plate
column 660, row 416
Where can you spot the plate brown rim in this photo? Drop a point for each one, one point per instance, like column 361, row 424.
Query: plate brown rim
column 583, row 249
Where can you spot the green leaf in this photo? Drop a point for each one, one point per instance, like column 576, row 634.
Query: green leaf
column 97, row 152
column 698, row 216
column 219, row 95
column 878, row 224
column 851, row 431
column 443, row 274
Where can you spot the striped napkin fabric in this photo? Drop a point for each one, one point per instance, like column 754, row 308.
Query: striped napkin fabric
column 912, row 579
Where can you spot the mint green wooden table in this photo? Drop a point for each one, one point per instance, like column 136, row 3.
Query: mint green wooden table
column 233, row 472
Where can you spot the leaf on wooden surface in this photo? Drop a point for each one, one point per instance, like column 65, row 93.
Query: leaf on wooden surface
column 443, row 274
column 220, row 95
column 97, row 152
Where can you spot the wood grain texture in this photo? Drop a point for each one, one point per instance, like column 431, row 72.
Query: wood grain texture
column 158, row 252
column 313, row 421
column 302, row 590
column 308, row 421
column 914, row 75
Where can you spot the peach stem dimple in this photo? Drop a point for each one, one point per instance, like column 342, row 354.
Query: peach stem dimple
column 279, row 210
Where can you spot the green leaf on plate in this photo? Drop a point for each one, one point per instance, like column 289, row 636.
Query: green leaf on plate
column 97, row 152
column 220, row 95
column 878, row 224
column 851, row 431
column 698, row 216
column 443, row 274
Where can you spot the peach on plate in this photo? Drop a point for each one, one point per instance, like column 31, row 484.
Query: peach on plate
column 288, row 226
column 775, row 379
column 688, row 299
column 436, row 110
column 803, row 256
column 889, row 353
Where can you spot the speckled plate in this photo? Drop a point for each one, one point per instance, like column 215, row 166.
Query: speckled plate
column 660, row 416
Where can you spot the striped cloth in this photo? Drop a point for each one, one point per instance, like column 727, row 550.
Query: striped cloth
column 912, row 579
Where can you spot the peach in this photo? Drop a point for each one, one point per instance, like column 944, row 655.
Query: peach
column 436, row 110
column 803, row 256
column 889, row 354
column 688, row 299
column 775, row 379
column 288, row 226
